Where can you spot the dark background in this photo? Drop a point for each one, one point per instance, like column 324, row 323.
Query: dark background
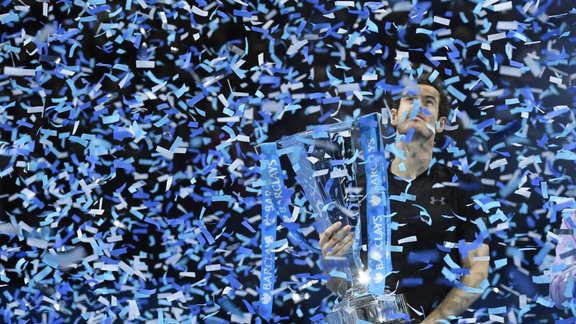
column 170, row 231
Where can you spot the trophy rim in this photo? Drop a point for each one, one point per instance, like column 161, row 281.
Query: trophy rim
column 309, row 133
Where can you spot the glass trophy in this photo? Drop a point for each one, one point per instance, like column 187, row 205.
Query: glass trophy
column 342, row 171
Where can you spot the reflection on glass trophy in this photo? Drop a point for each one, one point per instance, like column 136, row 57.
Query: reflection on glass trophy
column 343, row 172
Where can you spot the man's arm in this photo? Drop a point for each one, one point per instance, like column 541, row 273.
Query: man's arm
column 458, row 300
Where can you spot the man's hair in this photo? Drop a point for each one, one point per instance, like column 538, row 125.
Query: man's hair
column 438, row 84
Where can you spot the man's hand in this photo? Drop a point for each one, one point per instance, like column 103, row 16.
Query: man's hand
column 336, row 241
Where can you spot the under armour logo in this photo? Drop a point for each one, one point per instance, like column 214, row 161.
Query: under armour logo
column 434, row 200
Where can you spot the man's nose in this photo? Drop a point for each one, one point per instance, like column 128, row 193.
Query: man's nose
column 415, row 110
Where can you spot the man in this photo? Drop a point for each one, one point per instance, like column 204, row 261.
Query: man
column 562, row 288
column 444, row 262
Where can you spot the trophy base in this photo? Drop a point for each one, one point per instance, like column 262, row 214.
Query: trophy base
column 390, row 310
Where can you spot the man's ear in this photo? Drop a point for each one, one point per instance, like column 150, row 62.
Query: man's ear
column 440, row 124
column 394, row 117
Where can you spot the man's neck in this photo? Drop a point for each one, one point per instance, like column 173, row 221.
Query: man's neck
column 417, row 153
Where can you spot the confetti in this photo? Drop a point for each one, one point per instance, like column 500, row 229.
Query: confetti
column 128, row 147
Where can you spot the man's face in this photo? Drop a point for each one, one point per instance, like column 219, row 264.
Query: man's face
column 419, row 109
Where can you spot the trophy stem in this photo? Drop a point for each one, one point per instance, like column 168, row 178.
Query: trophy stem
column 359, row 304
column 354, row 307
